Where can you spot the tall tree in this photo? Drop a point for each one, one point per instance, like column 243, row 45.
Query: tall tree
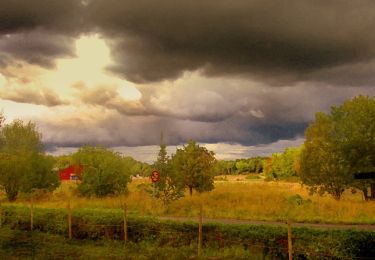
column 23, row 164
column 341, row 144
column 322, row 167
column 168, row 188
column 355, row 137
column 195, row 166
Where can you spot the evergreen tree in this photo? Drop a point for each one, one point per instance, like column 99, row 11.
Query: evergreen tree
column 168, row 188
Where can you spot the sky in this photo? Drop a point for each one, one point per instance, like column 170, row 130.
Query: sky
column 243, row 78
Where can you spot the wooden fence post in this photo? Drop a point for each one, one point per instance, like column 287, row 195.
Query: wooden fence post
column 125, row 224
column 31, row 214
column 290, row 246
column 69, row 220
column 200, row 230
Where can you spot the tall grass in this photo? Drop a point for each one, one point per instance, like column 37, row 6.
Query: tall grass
column 243, row 199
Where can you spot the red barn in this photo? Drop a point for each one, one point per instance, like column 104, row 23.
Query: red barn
column 73, row 172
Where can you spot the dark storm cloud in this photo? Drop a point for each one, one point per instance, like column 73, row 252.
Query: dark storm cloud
column 54, row 15
column 119, row 130
column 37, row 47
column 311, row 46
column 280, row 42
column 275, row 41
column 250, row 113
column 39, row 31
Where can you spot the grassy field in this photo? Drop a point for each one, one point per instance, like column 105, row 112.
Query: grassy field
column 238, row 197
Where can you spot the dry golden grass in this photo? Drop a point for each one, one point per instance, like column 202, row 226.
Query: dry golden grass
column 238, row 198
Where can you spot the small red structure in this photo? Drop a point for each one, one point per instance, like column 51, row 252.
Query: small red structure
column 73, row 172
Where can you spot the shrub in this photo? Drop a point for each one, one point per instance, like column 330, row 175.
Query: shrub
column 271, row 240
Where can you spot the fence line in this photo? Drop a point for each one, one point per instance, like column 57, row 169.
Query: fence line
column 131, row 228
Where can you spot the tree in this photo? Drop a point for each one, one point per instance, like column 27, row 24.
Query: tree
column 195, row 166
column 105, row 172
column 322, row 167
column 346, row 138
column 168, row 188
column 355, row 138
column 283, row 165
column 242, row 166
column 23, row 164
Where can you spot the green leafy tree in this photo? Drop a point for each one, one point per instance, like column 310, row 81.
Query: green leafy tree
column 105, row 172
column 23, row 164
column 195, row 166
column 168, row 188
column 355, row 138
column 137, row 167
column 347, row 136
column 242, row 166
column 283, row 165
column 323, row 168
column 274, row 166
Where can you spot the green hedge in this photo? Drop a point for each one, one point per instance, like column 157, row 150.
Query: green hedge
column 269, row 240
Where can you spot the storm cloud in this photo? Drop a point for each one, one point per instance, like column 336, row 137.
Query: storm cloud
column 252, row 115
column 279, row 42
column 39, row 31
column 251, row 72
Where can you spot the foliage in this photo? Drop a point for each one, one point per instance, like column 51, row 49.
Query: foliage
column 271, row 240
column 137, row 168
column 16, row 244
column 195, row 166
column 240, row 166
column 23, row 165
column 355, row 138
column 63, row 161
column 251, row 165
column 322, row 167
column 338, row 145
column 223, row 167
column 283, row 165
column 104, row 172
column 168, row 188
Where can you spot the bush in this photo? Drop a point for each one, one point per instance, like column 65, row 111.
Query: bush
column 105, row 172
column 268, row 240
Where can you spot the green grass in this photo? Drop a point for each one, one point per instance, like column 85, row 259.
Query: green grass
column 15, row 244
column 235, row 239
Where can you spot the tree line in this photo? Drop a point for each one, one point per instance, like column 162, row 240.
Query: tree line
column 25, row 167
column 337, row 146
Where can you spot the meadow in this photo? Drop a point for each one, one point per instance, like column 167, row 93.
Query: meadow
column 98, row 224
column 235, row 197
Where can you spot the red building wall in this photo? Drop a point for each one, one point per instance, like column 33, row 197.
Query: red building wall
column 67, row 173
